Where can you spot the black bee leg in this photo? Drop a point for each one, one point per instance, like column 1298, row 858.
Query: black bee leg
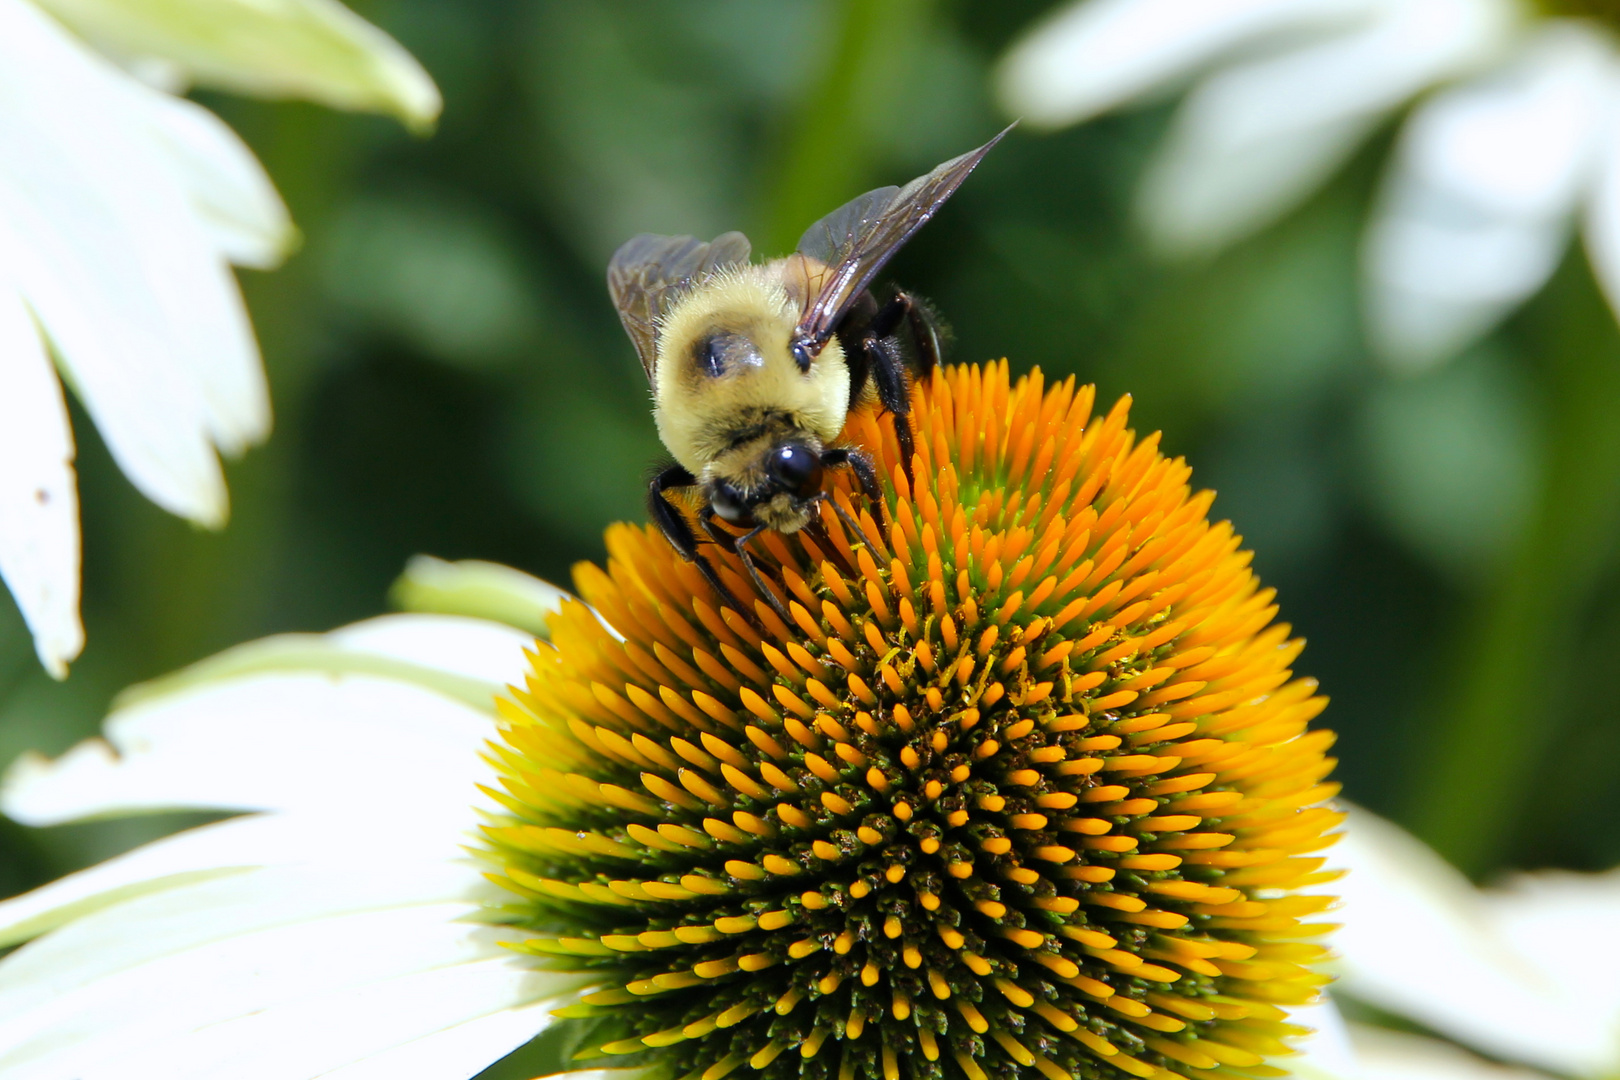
column 740, row 546
column 891, row 315
column 670, row 521
column 889, row 374
column 673, row 524
column 859, row 464
column 717, row 536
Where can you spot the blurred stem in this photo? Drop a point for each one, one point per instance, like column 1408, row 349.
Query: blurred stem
column 826, row 155
column 1478, row 775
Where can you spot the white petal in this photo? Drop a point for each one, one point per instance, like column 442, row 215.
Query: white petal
column 456, row 1052
column 428, row 841
column 313, row 1037
column 269, row 742
column 1325, row 1054
column 398, row 707
column 107, row 249
column 1392, row 1055
column 39, row 504
column 1475, row 214
column 1568, row 924
column 1417, row 941
column 444, row 654
column 175, row 914
column 229, row 189
column 1093, row 56
column 1253, row 140
column 316, row 49
column 474, row 648
column 291, row 999
column 483, row 589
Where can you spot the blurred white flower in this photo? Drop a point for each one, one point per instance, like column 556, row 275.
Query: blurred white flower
column 121, row 208
column 329, row 931
column 1513, row 136
column 1526, row 972
column 315, row 49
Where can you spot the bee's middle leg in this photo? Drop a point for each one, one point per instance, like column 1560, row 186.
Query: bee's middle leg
column 859, row 463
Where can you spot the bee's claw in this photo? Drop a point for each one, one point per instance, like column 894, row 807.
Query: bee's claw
column 764, row 590
column 849, row 521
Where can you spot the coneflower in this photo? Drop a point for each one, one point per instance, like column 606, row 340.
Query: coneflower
column 1025, row 787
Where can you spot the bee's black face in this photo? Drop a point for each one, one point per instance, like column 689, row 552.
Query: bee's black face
column 730, row 504
column 795, row 469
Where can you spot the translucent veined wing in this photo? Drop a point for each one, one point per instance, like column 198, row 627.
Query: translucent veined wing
column 648, row 273
column 857, row 239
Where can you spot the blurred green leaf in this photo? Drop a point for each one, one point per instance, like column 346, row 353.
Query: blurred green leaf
column 577, row 460
column 442, row 273
column 1274, row 483
column 1451, row 460
column 642, row 128
column 1507, row 670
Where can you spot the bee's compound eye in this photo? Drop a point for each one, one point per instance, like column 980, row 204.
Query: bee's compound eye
column 796, row 469
column 728, row 503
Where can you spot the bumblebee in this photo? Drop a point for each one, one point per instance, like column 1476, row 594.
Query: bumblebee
column 754, row 367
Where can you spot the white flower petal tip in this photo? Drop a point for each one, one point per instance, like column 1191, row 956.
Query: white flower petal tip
column 1382, row 1054
column 1258, row 136
column 236, row 200
column 113, row 239
column 1094, row 56
column 480, row 589
column 32, row 772
column 39, row 508
column 314, row 49
column 1475, row 214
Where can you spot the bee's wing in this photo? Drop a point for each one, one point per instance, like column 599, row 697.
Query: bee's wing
column 649, row 272
column 857, row 239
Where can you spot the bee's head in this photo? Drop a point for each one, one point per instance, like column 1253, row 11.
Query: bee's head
column 791, row 473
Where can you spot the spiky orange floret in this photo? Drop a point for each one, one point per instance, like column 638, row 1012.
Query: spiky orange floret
column 1026, row 790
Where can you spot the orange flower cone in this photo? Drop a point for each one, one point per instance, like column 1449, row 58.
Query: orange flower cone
column 1027, row 789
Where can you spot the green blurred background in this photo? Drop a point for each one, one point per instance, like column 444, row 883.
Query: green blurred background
column 450, row 378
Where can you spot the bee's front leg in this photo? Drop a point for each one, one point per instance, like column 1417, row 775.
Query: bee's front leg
column 859, row 463
column 678, row 531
